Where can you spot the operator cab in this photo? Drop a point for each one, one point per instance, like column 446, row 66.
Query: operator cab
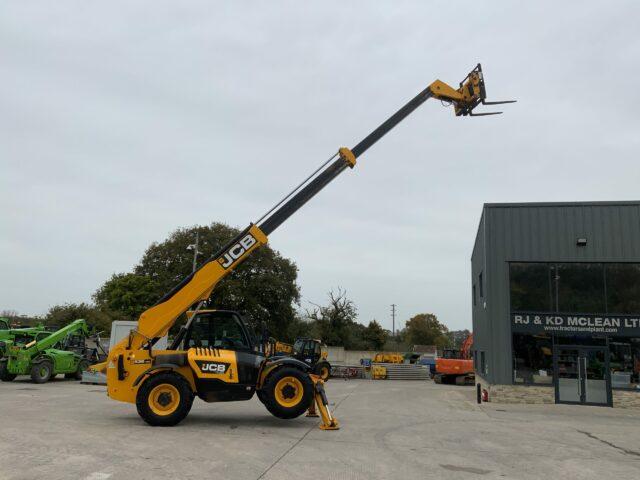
column 450, row 353
column 223, row 329
column 307, row 350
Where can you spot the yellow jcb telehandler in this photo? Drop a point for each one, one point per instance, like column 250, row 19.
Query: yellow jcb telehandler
column 215, row 356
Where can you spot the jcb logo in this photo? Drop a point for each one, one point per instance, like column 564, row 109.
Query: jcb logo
column 237, row 250
column 213, row 367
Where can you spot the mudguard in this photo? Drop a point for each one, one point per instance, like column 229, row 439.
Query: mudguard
column 41, row 359
column 162, row 366
column 275, row 362
column 291, row 362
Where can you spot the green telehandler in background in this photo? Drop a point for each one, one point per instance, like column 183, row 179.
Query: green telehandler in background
column 41, row 359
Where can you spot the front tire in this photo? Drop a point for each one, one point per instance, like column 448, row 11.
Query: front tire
column 164, row 400
column 41, row 372
column 5, row 376
column 288, row 392
column 262, row 396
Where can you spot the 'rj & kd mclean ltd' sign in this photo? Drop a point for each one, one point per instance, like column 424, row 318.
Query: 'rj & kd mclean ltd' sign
column 569, row 323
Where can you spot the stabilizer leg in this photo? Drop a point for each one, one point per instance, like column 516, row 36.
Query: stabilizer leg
column 322, row 404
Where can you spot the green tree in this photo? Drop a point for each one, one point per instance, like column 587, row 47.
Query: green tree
column 126, row 295
column 375, row 336
column 263, row 286
column 336, row 324
column 425, row 329
column 299, row 327
column 17, row 320
column 60, row 315
column 457, row 337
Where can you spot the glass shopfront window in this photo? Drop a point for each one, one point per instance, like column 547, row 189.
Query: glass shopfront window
column 587, row 307
column 580, row 287
column 532, row 359
column 623, row 287
column 624, row 362
column 530, row 285
column 590, row 288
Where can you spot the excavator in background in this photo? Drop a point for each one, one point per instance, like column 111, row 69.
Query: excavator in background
column 456, row 366
column 215, row 356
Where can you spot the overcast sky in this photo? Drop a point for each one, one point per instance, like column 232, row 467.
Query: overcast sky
column 122, row 121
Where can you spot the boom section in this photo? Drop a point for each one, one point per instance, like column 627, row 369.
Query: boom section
column 55, row 337
column 156, row 321
column 464, row 99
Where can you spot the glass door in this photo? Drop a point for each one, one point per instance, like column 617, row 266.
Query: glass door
column 568, row 374
column 595, row 368
column 582, row 375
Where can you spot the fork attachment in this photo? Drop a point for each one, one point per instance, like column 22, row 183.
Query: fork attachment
column 472, row 87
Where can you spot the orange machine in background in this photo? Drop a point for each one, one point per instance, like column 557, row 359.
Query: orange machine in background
column 456, row 366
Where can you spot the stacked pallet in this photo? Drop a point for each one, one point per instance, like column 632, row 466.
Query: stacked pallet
column 405, row 371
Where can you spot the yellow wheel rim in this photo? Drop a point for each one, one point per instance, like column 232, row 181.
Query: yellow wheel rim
column 289, row 391
column 164, row 399
column 324, row 373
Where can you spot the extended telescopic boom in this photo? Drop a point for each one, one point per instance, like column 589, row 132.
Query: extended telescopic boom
column 156, row 321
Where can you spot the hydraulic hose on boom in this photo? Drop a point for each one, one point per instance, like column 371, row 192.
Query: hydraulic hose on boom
column 197, row 287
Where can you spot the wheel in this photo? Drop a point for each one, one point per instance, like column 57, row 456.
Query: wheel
column 323, row 370
column 288, row 392
column 262, row 396
column 41, row 371
column 82, row 366
column 164, row 399
column 5, row 376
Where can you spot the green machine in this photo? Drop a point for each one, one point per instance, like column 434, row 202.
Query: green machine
column 18, row 335
column 41, row 359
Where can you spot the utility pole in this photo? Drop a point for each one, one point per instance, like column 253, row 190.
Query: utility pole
column 393, row 319
column 196, row 252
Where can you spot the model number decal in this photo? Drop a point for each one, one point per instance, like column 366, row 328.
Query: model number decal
column 213, row 367
column 237, row 250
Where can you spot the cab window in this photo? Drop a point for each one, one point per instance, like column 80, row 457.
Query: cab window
column 308, row 348
column 298, row 346
column 218, row 331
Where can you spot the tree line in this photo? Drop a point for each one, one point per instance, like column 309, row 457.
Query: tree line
column 264, row 288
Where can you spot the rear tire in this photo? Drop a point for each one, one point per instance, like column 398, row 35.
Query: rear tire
column 41, row 372
column 164, row 400
column 288, row 392
column 5, row 376
column 323, row 370
column 262, row 396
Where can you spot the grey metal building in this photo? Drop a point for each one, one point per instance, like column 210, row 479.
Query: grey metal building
column 556, row 300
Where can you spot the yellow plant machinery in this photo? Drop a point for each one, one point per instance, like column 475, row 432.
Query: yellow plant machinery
column 215, row 356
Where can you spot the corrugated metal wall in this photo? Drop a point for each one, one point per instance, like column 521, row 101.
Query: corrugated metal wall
column 544, row 233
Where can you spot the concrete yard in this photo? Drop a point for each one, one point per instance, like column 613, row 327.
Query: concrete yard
column 390, row 429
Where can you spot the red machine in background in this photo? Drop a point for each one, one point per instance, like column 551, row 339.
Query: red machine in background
column 456, row 366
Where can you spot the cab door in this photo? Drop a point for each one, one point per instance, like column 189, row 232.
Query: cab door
column 225, row 333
